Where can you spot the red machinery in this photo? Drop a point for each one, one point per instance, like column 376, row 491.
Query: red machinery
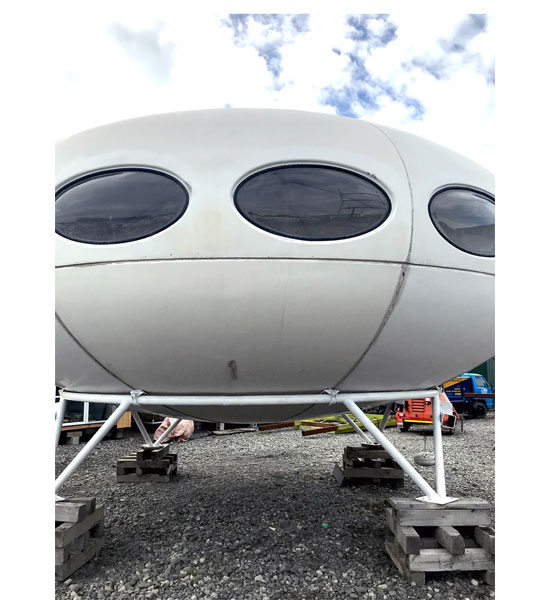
column 420, row 411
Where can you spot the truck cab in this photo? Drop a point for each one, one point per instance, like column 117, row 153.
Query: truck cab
column 461, row 392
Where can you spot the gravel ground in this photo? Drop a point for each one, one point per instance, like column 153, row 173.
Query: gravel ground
column 259, row 516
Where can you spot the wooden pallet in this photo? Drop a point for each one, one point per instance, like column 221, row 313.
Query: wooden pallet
column 368, row 464
column 79, row 534
column 234, row 431
column 153, row 465
column 424, row 537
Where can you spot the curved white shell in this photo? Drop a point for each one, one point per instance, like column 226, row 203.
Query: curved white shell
column 394, row 309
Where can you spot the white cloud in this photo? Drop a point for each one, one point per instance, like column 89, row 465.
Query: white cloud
column 458, row 107
column 103, row 76
column 309, row 63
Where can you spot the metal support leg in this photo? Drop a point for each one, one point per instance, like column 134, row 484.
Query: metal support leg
column 438, row 447
column 358, row 430
column 60, row 415
column 431, row 494
column 386, row 416
column 167, row 432
column 91, row 445
column 141, row 427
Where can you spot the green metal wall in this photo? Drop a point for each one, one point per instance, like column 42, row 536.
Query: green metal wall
column 487, row 369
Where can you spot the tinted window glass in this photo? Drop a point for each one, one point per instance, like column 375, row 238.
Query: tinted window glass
column 465, row 218
column 312, row 202
column 480, row 381
column 118, row 206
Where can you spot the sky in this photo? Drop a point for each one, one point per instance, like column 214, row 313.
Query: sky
column 434, row 77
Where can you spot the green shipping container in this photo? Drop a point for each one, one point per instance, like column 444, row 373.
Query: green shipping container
column 487, row 369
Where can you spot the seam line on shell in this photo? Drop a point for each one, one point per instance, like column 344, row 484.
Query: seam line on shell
column 402, row 276
column 88, row 353
column 268, row 258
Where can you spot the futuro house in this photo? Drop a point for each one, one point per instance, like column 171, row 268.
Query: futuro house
column 250, row 252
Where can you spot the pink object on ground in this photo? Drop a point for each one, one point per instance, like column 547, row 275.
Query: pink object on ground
column 181, row 433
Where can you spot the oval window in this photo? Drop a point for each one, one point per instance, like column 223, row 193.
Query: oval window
column 311, row 202
column 118, row 206
column 466, row 219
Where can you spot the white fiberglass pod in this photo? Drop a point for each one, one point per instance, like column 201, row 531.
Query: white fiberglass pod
column 244, row 251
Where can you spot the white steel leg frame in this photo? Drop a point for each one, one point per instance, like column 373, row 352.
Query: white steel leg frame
column 145, row 433
column 141, row 427
column 137, row 398
column 439, row 495
column 167, row 432
column 97, row 437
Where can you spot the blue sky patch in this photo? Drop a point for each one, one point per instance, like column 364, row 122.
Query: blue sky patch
column 362, row 30
column 280, row 30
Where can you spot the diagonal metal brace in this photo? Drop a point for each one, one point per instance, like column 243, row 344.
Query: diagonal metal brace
column 167, row 432
column 92, row 444
column 431, row 494
column 144, row 433
column 358, row 430
column 386, row 416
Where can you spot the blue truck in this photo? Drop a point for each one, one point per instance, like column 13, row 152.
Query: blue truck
column 462, row 391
